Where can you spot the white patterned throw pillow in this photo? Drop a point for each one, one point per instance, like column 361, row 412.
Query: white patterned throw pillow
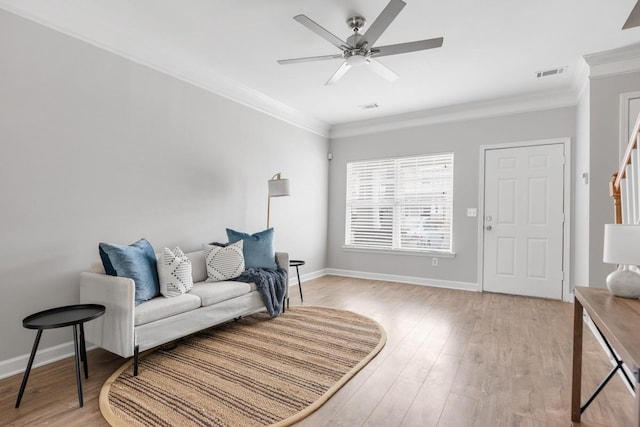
column 224, row 262
column 174, row 272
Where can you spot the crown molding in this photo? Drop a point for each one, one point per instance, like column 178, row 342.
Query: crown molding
column 204, row 79
column 612, row 62
column 468, row 111
column 616, row 61
column 265, row 104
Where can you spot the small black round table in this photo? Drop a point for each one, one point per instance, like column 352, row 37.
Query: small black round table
column 59, row 317
column 298, row 263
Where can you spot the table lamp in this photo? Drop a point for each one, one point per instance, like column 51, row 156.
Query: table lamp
column 278, row 187
column 622, row 247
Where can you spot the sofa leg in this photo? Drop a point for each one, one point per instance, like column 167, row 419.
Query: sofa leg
column 135, row 361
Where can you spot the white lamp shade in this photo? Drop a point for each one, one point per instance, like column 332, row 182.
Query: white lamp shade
column 278, row 187
column 621, row 244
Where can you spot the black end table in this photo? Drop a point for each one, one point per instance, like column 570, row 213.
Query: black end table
column 70, row 315
column 297, row 263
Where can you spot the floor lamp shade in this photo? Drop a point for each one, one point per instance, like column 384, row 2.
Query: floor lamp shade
column 622, row 246
column 278, row 187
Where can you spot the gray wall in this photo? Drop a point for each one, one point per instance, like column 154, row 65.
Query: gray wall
column 461, row 138
column 580, row 223
column 95, row 147
column 605, row 130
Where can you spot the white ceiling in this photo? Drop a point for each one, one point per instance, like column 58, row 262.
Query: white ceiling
column 492, row 48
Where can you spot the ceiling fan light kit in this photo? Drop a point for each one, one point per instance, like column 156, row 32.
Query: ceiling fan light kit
column 359, row 49
column 357, row 58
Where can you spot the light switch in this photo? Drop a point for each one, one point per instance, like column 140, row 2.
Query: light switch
column 472, row 212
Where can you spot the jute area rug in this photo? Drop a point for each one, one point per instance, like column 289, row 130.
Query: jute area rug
column 254, row 372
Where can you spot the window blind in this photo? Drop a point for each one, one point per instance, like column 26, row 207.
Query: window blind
column 401, row 203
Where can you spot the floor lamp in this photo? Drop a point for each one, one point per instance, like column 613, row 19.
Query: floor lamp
column 278, row 187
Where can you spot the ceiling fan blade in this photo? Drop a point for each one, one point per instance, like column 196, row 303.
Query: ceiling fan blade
column 394, row 49
column 634, row 17
column 382, row 70
column 381, row 23
column 338, row 74
column 316, row 28
column 308, row 59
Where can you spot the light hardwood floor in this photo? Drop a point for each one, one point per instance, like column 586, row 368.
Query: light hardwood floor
column 452, row 358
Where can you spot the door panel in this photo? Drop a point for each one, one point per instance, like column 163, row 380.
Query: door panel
column 524, row 220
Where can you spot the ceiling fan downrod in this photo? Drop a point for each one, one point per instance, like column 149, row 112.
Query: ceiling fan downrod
column 356, row 23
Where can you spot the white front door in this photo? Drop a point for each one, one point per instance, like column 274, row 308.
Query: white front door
column 524, row 220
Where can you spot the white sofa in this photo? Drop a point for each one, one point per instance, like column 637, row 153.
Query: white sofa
column 127, row 329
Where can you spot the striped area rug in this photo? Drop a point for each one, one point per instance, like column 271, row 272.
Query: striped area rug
column 254, row 372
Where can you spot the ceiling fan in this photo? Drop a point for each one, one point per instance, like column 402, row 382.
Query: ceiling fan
column 634, row 17
column 359, row 48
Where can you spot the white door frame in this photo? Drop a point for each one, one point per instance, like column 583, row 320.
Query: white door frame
column 566, row 252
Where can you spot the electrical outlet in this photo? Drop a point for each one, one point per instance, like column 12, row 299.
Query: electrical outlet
column 434, row 262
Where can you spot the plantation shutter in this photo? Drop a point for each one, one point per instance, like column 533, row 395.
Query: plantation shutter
column 400, row 204
column 370, row 203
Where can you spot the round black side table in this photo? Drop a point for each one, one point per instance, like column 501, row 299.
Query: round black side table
column 297, row 263
column 70, row 315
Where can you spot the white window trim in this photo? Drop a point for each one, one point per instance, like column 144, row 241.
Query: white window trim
column 431, row 254
column 394, row 249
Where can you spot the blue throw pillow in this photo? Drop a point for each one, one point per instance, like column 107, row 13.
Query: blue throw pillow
column 136, row 261
column 258, row 248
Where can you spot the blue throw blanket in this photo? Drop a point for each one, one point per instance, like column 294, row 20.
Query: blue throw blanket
column 272, row 285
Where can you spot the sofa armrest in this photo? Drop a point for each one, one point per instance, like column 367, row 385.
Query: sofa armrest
column 114, row 330
column 282, row 259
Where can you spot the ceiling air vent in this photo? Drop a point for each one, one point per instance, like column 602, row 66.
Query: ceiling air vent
column 551, row 72
column 369, row 106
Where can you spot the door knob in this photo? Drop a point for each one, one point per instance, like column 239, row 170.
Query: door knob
column 488, row 227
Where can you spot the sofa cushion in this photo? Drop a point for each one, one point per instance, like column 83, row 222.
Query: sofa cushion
column 136, row 261
column 174, row 272
column 161, row 307
column 198, row 266
column 258, row 248
column 224, row 263
column 215, row 292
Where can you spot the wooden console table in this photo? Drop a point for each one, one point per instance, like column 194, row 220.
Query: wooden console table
column 618, row 320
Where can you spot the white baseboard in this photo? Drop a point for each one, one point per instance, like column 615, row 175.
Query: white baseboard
column 293, row 279
column 423, row 281
column 44, row 356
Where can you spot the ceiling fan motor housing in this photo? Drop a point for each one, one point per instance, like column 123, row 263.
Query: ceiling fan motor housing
column 353, row 40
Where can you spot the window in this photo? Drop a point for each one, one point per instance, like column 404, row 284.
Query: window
column 400, row 204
